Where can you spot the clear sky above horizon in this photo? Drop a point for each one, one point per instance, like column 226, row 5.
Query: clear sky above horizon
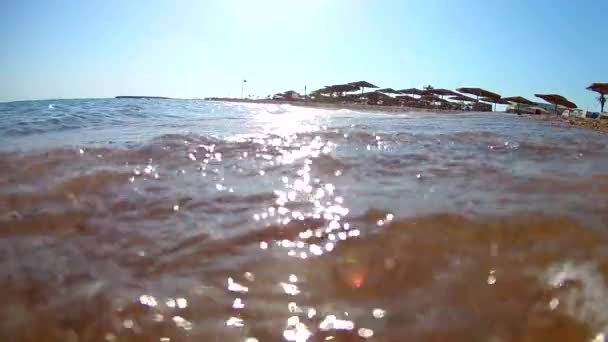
column 73, row 49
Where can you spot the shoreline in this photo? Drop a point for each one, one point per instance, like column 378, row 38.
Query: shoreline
column 597, row 125
column 338, row 106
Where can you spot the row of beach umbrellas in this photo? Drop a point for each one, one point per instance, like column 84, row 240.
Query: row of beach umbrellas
column 479, row 93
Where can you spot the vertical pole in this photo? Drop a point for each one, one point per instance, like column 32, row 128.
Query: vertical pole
column 242, row 87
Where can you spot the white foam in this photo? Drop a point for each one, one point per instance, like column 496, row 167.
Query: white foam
column 586, row 303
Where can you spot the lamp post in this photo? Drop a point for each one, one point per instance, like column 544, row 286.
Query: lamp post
column 243, row 87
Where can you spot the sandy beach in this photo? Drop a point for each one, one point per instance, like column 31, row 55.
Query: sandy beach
column 593, row 124
column 584, row 123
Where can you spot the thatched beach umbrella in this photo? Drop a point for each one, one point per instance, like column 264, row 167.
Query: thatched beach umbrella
column 339, row 88
column 494, row 100
column 343, row 88
column 441, row 92
column 557, row 100
column 324, row 90
column 461, row 98
column 363, row 85
column 388, row 91
column 518, row 100
column 602, row 89
column 411, row 91
column 478, row 92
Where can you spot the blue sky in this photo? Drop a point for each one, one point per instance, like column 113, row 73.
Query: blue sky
column 71, row 49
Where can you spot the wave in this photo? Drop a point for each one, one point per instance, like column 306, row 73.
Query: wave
column 491, row 270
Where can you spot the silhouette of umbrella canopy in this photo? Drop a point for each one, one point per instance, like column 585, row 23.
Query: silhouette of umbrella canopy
column 462, row 98
column 363, row 84
column 411, row 91
column 518, row 100
column 478, row 92
column 338, row 88
column 388, row 91
column 342, row 88
column 557, row 100
column 324, row 90
column 601, row 88
column 494, row 100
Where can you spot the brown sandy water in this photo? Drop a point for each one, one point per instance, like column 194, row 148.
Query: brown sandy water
column 218, row 222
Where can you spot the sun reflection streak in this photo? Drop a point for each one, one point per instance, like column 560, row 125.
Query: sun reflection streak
column 322, row 198
column 365, row 333
column 290, row 289
column 302, row 195
column 331, row 322
column 234, row 322
column 182, row 323
column 236, row 287
column 148, row 300
column 299, row 333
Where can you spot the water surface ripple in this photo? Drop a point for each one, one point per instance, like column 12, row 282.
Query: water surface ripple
column 179, row 220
